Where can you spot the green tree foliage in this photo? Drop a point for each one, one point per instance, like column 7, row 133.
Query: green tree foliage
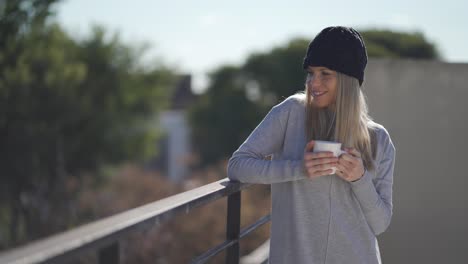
column 279, row 72
column 66, row 107
column 390, row 44
column 238, row 97
column 218, row 115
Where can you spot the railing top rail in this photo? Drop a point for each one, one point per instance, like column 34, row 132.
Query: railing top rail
column 107, row 230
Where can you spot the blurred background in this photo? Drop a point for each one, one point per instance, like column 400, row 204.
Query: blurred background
column 108, row 105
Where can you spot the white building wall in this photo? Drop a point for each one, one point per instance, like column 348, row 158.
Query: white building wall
column 177, row 129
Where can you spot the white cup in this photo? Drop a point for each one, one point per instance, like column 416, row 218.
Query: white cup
column 329, row 146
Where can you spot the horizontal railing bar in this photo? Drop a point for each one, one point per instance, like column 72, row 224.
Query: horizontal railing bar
column 215, row 250
column 103, row 232
column 244, row 232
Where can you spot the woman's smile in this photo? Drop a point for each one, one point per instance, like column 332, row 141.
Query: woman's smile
column 317, row 94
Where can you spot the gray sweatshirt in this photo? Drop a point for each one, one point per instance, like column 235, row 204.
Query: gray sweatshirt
column 321, row 220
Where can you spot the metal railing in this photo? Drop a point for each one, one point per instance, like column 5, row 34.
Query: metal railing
column 103, row 236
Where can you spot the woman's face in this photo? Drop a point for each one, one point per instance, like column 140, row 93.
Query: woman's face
column 322, row 84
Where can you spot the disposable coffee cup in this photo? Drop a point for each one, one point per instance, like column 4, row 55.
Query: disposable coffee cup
column 329, row 146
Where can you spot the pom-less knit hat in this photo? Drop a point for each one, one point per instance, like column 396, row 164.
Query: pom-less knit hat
column 340, row 49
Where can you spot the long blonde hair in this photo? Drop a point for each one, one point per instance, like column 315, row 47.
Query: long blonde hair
column 347, row 121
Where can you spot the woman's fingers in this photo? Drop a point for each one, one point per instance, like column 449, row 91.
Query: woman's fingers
column 310, row 146
column 347, row 162
column 340, row 169
column 320, row 164
column 317, row 155
column 320, row 161
column 342, row 166
column 342, row 174
column 354, row 152
column 349, row 158
column 321, row 167
column 350, row 166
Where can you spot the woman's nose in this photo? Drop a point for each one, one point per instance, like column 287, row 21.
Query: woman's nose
column 314, row 81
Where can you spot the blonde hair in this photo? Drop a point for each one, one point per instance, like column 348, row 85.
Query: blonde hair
column 347, row 121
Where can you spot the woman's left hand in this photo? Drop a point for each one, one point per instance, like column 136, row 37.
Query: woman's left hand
column 350, row 166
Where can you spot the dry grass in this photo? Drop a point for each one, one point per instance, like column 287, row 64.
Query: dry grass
column 185, row 236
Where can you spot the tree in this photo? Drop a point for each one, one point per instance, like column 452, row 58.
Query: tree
column 218, row 115
column 390, row 44
column 278, row 72
column 67, row 107
column 17, row 19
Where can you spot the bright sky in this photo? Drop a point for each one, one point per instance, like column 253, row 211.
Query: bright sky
column 198, row 36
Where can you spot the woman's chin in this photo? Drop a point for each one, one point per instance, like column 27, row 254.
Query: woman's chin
column 323, row 105
column 319, row 106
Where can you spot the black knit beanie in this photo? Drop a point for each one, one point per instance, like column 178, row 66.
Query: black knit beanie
column 340, row 49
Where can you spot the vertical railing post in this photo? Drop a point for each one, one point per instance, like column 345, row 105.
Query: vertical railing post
column 233, row 227
column 109, row 254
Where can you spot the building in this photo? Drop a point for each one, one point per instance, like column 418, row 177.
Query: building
column 175, row 147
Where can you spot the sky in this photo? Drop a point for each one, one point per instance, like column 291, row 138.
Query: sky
column 196, row 37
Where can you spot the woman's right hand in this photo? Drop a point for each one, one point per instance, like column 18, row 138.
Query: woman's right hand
column 319, row 163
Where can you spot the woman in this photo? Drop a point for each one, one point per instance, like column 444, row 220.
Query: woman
column 318, row 217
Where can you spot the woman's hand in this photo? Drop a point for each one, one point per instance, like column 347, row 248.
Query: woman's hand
column 318, row 164
column 350, row 166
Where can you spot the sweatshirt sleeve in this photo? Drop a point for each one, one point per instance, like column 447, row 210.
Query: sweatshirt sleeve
column 374, row 189
column 249, row 164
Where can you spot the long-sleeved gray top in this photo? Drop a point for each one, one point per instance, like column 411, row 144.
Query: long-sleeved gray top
column 321, row 220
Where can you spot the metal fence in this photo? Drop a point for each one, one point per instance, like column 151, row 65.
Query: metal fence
column 103, row 236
